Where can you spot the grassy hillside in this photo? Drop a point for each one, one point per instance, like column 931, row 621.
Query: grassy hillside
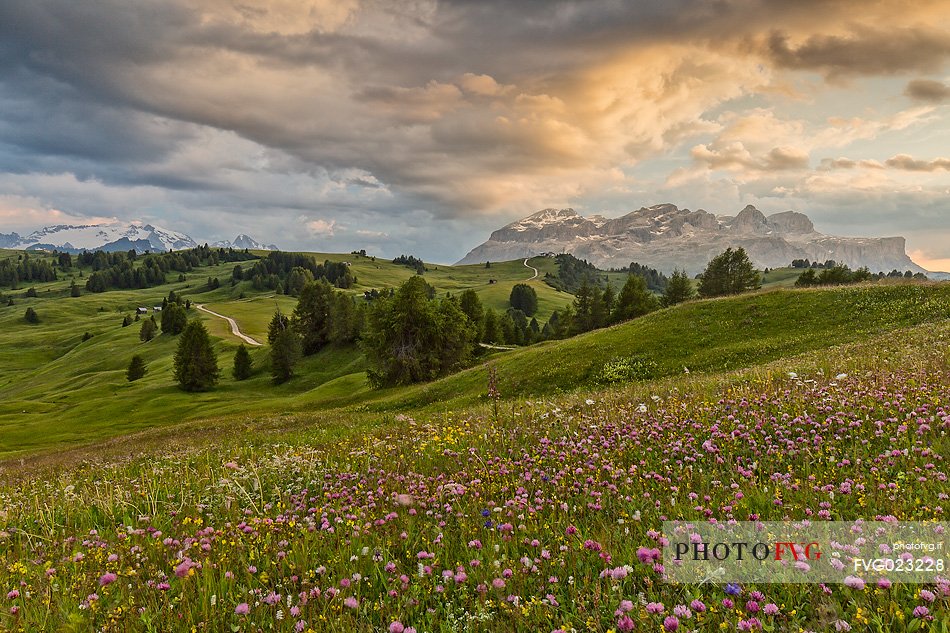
column 545, row 516
column 56, row 390
column 700, row 336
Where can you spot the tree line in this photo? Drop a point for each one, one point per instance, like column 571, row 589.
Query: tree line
column 288, row 273
column 118, row 270
column 25, row 269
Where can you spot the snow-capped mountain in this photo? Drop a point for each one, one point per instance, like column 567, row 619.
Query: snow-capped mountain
column 114, row 236
column 243, row 241
column 667, row 237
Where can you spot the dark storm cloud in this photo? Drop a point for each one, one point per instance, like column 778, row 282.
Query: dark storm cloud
column 928, row 90
column 863, row 52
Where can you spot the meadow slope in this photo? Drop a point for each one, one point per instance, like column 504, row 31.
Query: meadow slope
column 541, row 515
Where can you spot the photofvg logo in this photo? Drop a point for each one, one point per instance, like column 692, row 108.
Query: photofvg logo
column 805, row 552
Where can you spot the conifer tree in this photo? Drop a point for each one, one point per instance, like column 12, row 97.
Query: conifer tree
column 148, row 329
column 634, row 300
column 242, row 364
column 679, row 289
column 136, row 369
column 196, row 364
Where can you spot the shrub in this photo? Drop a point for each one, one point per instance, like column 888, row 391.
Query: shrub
column 627, row 370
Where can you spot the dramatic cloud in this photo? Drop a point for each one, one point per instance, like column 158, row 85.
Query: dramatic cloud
column 418, row 126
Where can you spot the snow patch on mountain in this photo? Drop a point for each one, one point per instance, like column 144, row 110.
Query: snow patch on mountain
column 110, row 237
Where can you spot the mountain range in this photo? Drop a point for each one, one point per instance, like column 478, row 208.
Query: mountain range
column 667, row 237
column 115, row 236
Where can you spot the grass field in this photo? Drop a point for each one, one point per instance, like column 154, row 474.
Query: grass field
column 540, row 516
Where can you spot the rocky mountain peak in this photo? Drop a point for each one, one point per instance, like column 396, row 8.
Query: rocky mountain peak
column 751, row 220
column 666, row 237
column 791, row 222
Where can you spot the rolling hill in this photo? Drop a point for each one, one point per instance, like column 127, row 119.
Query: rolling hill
column 57, row 390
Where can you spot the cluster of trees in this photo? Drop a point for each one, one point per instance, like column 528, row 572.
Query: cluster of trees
column 125, row 275
column 288, row 273
column 841, row 275
column 118, row 270
column 835, row 276
column 25, row 269
column 411, row 262
column 656, row 281
column 596, row 307
column 572, row 273
column 411, row 337
column 323, row 316
column 804, row 263
column 729, row 273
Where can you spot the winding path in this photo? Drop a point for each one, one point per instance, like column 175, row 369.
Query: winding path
column 234, row 326
column 532, row 268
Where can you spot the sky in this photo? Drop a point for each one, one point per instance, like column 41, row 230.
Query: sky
column 419, row 126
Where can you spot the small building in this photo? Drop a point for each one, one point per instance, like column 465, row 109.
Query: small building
column 157, row 309
column 492, row 281
column 141, row 310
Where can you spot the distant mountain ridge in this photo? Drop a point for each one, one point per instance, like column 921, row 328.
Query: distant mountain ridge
column 667, row 237
column 114, row 236
column 243, row 241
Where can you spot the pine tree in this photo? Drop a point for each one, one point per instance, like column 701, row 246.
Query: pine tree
column 472, row 307
column 74, row 290
column 583, row 303
column 242, row 364
column 679, row 289
column 31, row 316
column 490, row 332
column 278, row 323
column 456, row 336
column 136, row 369
column 285, row 352
column 312, row 315
column 174, row 319
column 598, row 310
column 196, row 364
column 609, row 298
column 634, row 300
column 346, row 319
column 523, row 297
column 729, row 273
column 126, row 321
column 148, row 329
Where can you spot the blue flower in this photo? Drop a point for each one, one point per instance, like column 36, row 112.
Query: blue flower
column 485, row 513
column 488, row 523
column 733, row 589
